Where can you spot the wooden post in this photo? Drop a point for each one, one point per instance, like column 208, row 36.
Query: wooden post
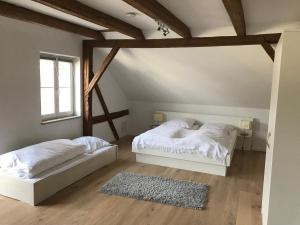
column 87, row 72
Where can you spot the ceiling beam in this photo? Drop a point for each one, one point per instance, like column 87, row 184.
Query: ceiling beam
column 92, row 15
column 157, row 11
column 236, row 13
column 23, row 14
column 269, row 49
column 193, row 42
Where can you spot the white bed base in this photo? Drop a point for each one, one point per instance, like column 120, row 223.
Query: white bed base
column 202, row 167
column 188, row 161
column 34, row 191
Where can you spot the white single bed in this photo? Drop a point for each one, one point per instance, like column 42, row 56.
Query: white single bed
column 190, row 160
column 47, row 183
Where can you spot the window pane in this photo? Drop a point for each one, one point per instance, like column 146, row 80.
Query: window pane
column 47, row 73
column 64, row 99
column 47, row 101
column 64, row 69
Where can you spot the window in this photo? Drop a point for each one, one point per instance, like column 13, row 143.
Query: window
column 57, row 87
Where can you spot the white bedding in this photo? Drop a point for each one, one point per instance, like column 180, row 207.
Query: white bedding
column 211, row 142
column 71, row 163
column 32, row 160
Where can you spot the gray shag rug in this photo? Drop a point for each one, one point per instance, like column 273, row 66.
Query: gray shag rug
column 168, row 191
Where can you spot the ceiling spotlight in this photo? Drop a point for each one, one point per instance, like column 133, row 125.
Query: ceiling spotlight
column 131, row 14
column 162, row 27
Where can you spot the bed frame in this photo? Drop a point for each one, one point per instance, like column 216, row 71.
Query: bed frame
column 188, row 161
column 34, row 191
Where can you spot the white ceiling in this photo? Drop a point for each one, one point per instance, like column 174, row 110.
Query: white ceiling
column 52, row 12
column 229, row 76
column 204, row 17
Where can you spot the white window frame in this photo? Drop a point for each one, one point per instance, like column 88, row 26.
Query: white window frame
column 57, row 114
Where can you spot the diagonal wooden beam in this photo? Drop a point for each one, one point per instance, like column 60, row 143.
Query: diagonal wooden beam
column 106, row 113
column 269, row 49
column 114, row 115
column 236, row 13
column 23, row 14
column 85, row 12
column 101, row 70
column 157, row 11
column 193, row 42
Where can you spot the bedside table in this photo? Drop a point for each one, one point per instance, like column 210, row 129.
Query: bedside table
column 246, row 135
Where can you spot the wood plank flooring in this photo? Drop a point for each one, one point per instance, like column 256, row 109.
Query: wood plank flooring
column 233, row 200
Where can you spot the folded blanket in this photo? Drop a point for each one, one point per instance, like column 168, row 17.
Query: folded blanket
column 32, row 160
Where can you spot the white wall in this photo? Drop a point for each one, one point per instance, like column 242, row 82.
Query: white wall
column 20, row 119
column 228, row 80
column 141, row 117
column 20, row 114
column 235, row 76
column 232, row 80
column 283, row 157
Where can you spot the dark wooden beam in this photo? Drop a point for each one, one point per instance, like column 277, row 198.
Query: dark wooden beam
column 114, row 115
column 107, row 30
column 157, row 11
column 193, row 42
column 87, row 71
column 101, row 70
column 269, row 49
column 106, row 113
column 90, row 14
column 23, row 14
column 236, row 14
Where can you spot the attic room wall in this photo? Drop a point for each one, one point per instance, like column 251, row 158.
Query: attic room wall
column 141, row 117
column 20, row 119
column 231, row 80
column 20, row 114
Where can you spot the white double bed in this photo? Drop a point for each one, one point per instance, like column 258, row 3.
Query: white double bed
column 208, row 148
column 35, row 173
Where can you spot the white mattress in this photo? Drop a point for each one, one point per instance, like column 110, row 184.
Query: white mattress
column 194, row 157
column 34, row 159
column 66, row 165
column 211, row 140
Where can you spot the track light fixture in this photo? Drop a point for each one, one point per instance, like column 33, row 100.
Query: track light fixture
column 162, row 27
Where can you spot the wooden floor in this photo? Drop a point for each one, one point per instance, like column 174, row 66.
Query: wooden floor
column 233, row 200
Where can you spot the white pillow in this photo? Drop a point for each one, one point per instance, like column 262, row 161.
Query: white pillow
column 92, row 143
column 196, row 126
column 217, row 128
column 182, row 123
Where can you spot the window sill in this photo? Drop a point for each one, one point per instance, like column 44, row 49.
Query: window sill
column 44, row 122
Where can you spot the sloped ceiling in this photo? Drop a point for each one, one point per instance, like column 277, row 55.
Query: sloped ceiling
column 227, row 76
column 203, row 17
column 209, row 17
